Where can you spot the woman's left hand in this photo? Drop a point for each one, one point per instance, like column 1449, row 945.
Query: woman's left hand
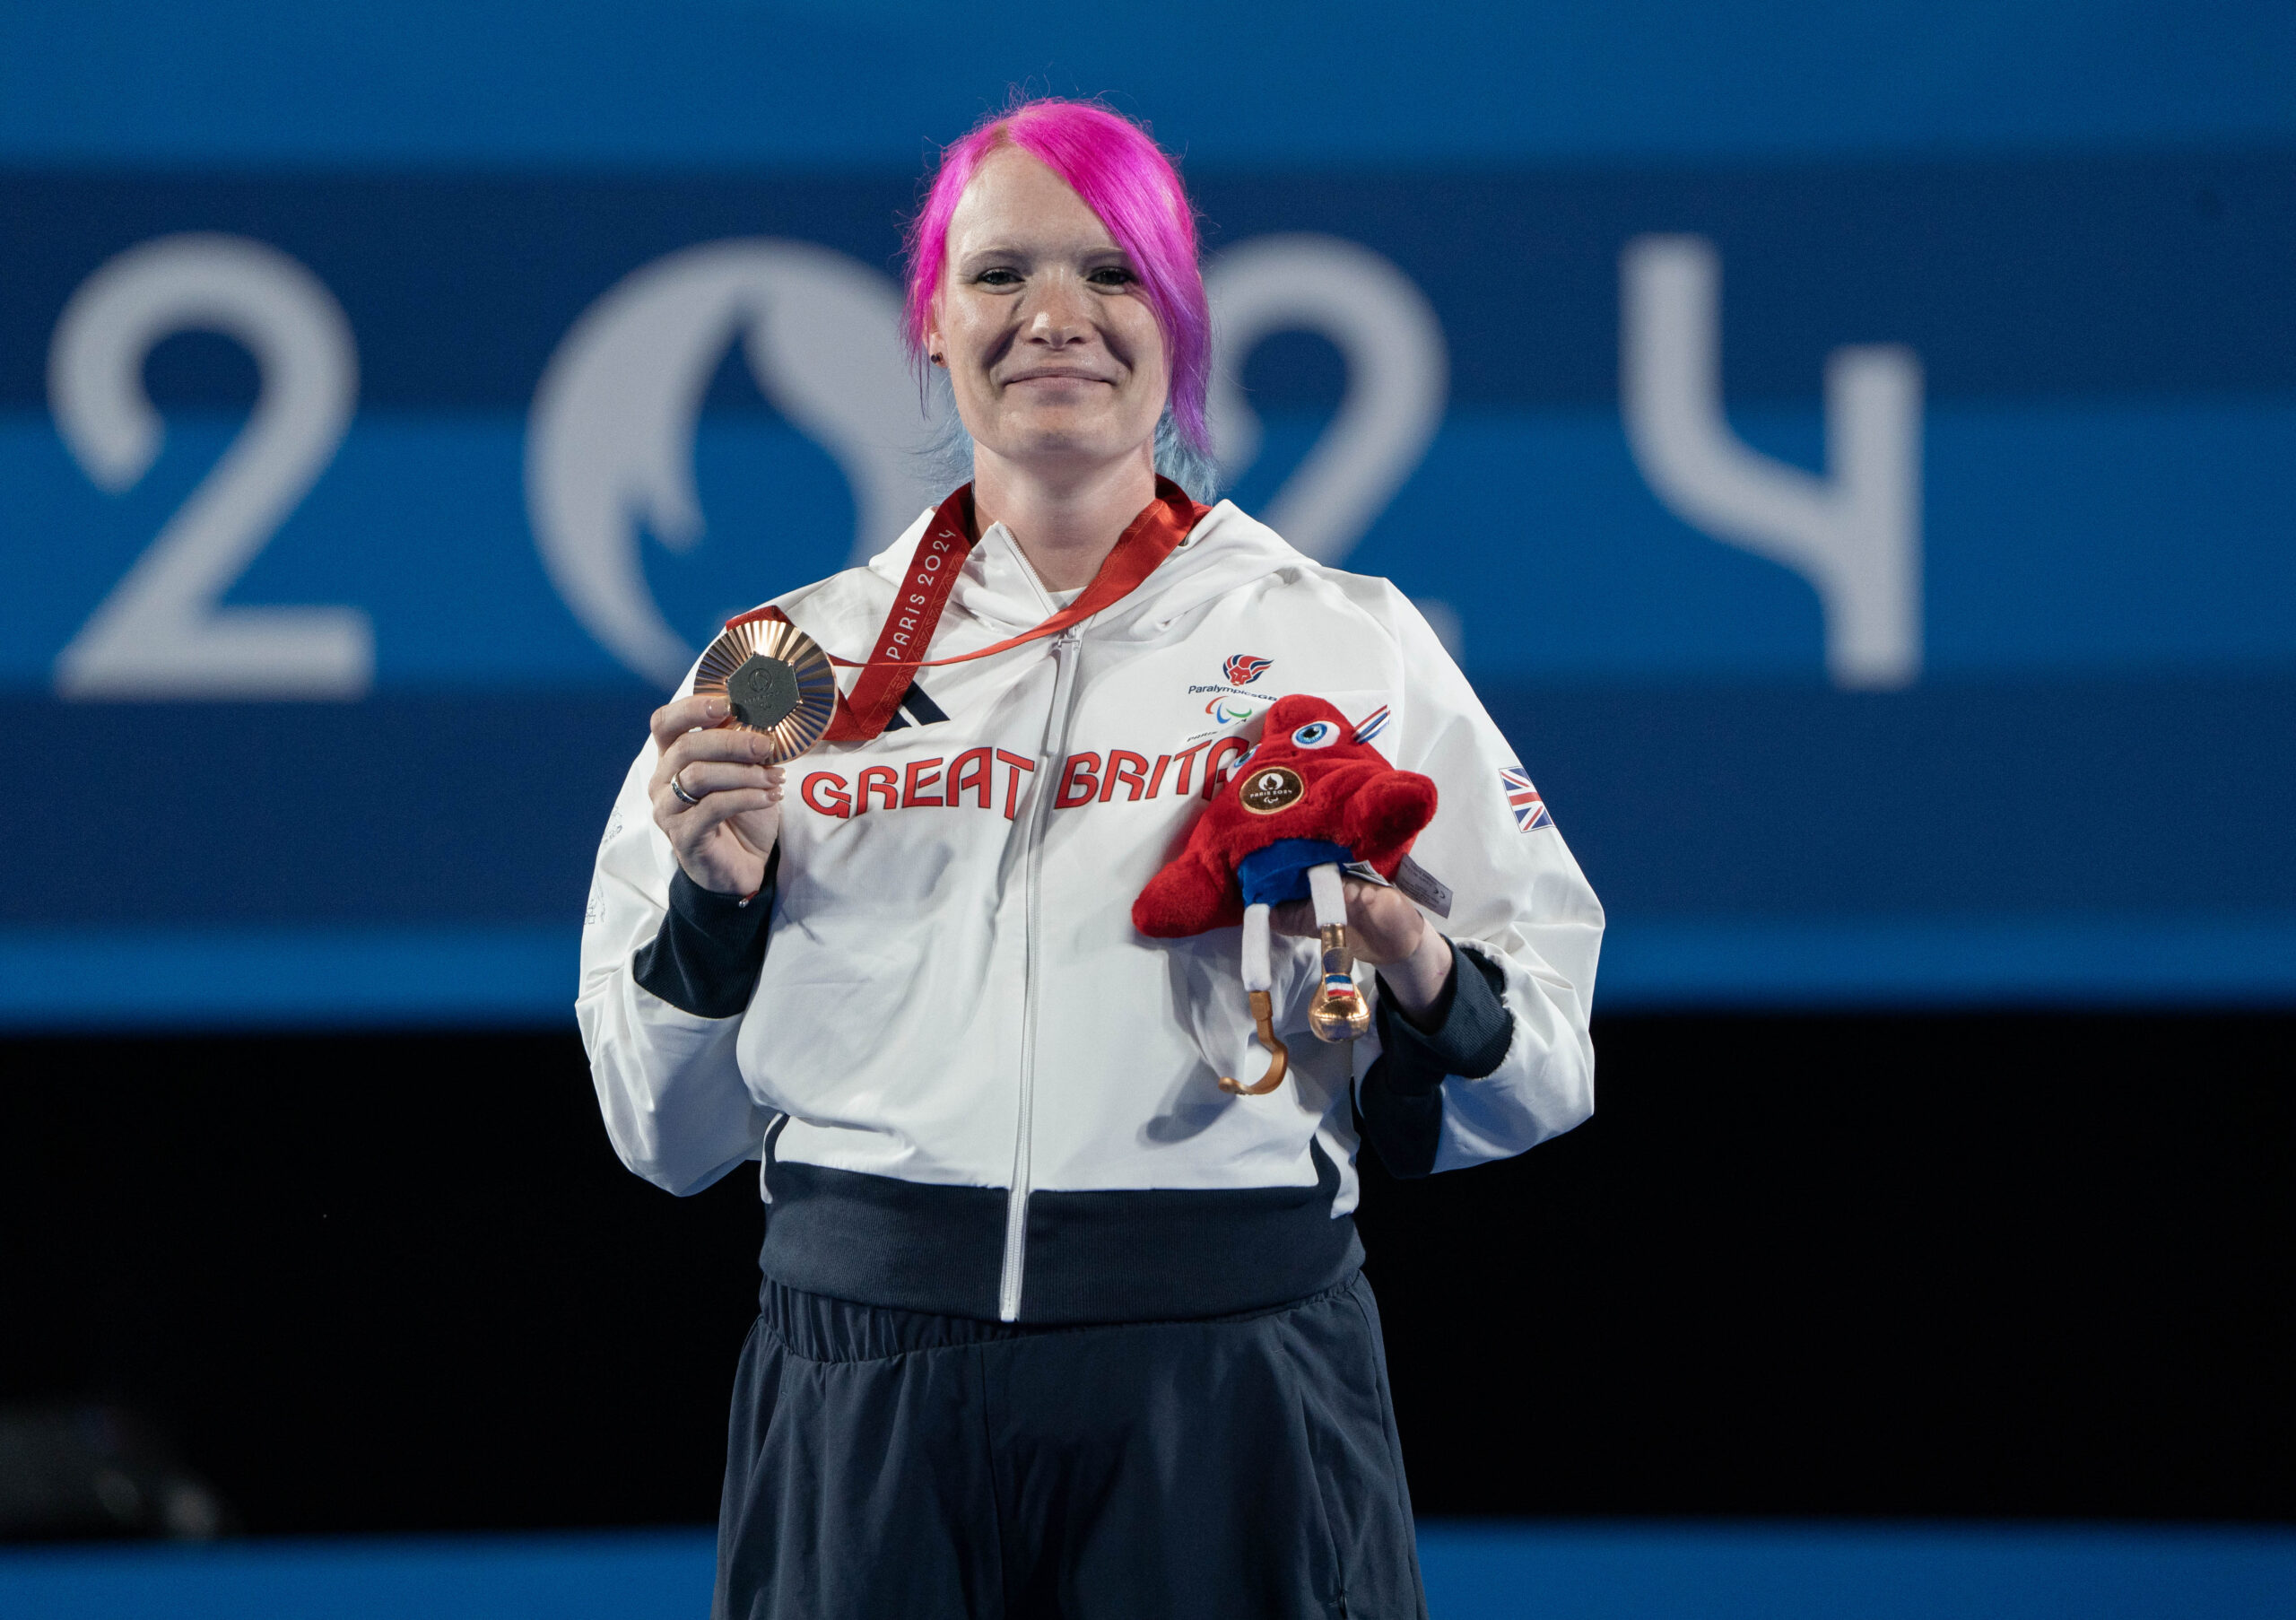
column 1387, row 930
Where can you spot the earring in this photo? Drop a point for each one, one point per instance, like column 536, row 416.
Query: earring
column 936, row 358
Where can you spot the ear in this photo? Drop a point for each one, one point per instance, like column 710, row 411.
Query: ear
column 937, row 344
column 1389, row 813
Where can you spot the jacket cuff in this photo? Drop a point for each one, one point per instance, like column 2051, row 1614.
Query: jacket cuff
column 707, row 954
column 1470, row 1038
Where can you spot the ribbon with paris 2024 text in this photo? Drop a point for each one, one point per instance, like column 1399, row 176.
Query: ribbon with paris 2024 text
column 932, row 574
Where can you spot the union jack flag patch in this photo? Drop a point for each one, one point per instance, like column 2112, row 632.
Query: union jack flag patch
column 1523, row 799
column 1373, row 724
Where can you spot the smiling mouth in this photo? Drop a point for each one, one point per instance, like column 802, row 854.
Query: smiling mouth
column 1055, row 377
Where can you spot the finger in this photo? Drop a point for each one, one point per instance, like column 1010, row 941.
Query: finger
column 696, row 825
column 702, row 778
column 689, row 826
column 721, row 743
column 680, row 715
column 770, row 816
column 667, row 814
column 1295, row 919
column 1372, row 899
column 670, row 811
column 1388, row 926
column 757, row 830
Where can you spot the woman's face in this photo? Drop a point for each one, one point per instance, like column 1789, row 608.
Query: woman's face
column 1054, row 355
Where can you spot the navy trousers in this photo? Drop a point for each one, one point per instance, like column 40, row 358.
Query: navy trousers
column 892, row 1463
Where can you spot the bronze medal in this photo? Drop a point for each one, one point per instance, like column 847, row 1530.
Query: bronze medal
column 777, row 680
column 1269, row 788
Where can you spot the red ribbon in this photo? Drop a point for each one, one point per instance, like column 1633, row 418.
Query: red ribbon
column 932, row 574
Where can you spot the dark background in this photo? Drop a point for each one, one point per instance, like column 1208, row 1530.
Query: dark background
column 2017, row 1265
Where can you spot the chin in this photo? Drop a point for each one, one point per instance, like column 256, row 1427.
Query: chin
column 1065, row 441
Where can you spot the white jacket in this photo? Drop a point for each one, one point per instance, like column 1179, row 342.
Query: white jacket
column 976, row 1087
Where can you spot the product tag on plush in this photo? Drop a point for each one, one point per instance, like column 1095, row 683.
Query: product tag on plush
column 1414, row 879
column 1423, row 886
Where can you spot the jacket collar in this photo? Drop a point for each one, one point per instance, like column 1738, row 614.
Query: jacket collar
column 999, row 592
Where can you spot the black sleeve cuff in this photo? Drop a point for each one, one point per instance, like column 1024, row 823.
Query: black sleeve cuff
column 707, row 954
column 1400, row 1108
column 1470, row 1038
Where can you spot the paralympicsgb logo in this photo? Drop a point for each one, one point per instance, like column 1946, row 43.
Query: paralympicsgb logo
column 1243, row 669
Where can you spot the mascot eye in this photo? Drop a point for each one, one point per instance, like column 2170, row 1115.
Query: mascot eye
column 1315, row 734
column 1245, row 758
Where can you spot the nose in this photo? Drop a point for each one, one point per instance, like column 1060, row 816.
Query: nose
column 1059, row 317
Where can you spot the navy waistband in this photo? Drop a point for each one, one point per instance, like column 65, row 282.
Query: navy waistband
column 1090, row 1257
column 820, row 1329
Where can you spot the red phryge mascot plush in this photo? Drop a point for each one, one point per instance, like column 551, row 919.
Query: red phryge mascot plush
column 1311, row 799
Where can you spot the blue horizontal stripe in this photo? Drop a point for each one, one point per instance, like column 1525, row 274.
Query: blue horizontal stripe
column 706, row 81
column 2101, row 536
column 621, row 1575
column 1786, row 1571
column 1474, row 1572
column 274, row 978
column 2132, row 960
column 65, row 978
column 2029, row 278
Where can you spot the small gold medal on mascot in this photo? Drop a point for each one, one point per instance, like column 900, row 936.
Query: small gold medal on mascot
column 1338, row 1012
column 777, row 680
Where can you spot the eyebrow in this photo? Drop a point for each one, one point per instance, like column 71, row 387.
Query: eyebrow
column 1007, row 250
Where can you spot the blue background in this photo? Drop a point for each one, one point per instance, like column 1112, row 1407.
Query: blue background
column 1473, row 1573
column 2081, row 218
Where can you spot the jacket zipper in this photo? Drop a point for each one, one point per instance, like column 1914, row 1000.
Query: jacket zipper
column 1056, row 750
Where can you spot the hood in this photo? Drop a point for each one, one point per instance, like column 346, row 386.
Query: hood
column 1001, row 594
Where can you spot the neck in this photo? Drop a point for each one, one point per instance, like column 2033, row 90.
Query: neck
column 1065, row 522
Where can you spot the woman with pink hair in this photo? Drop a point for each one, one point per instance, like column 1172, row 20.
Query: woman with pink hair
column 1052, row 1323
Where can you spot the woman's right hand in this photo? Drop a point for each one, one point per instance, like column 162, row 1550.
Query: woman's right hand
column 723, row 841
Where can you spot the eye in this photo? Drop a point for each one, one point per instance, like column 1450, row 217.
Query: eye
column 1245, row 758
column 1111, row 275
column 1315, row 734
column 998, row 277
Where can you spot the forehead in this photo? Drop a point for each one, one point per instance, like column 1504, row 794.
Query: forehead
column 1014, row 201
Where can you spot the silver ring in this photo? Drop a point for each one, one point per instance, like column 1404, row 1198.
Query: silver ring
column 678, row 788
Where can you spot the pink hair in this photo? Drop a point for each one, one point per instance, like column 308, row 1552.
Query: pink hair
column 1124, row 178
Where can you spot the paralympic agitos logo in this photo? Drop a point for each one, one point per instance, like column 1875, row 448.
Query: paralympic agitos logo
column 1241, row 668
